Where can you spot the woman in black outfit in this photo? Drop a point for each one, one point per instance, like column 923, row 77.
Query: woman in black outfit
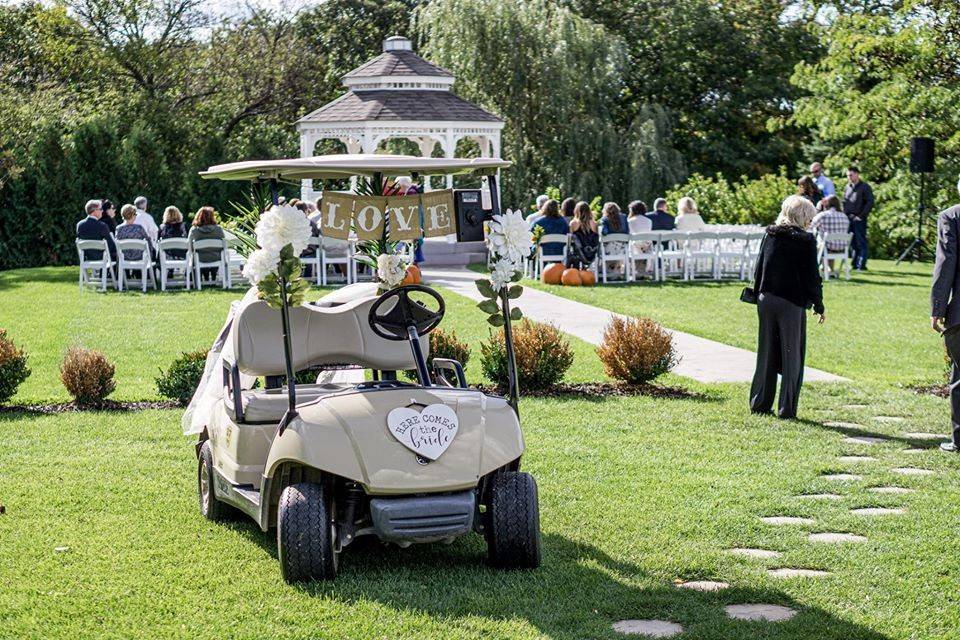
column 109, row 216
column 787, row 283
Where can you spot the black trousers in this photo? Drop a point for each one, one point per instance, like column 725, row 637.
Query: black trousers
column 955, row 401
column 781, row 349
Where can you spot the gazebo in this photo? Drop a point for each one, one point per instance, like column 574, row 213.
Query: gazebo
column 398, row 94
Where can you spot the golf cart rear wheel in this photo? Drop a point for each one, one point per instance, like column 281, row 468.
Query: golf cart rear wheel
column 513, row 525
column 305, row 534
column 210, row 507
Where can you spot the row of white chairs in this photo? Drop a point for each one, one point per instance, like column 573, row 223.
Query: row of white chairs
column 662, row 254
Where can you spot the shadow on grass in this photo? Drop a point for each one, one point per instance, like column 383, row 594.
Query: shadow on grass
column 18, row 278
column 579, row 591
column 853, row 432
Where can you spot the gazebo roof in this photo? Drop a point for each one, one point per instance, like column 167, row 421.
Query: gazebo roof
column 398, row 63
column 391, row 104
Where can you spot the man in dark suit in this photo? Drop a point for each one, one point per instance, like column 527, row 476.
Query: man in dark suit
column 92, row 228
column 662, row 221
column 945, row 307
column 857, row 203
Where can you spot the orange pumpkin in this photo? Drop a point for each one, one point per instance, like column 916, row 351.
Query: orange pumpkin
column 412, row 277
column 552, row 274
column 587, row 278
column 571, row 277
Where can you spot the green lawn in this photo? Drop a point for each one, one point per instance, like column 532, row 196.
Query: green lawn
column 636, row 493
column 877, row 328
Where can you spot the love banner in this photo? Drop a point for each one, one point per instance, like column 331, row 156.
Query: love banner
column 406, row 217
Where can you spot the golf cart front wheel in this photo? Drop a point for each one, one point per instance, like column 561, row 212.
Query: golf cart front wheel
column 305, row 534
column 210, row 507
column 513, row 521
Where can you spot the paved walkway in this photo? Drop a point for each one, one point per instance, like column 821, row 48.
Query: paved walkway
column 701, row 359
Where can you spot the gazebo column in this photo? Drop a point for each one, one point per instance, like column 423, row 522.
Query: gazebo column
column 449, row 143
column 308, row 141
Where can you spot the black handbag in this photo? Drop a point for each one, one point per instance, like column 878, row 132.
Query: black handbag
column 748, row 295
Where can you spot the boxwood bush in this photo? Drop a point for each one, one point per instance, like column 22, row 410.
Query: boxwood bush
column 182, row 378
column 543, row 356
column 13, row 367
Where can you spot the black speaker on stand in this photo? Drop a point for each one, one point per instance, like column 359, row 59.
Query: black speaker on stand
column 921, row 161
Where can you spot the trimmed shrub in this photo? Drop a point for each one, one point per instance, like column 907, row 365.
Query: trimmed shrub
column 543, row 356
column 636, row 350
column 444, row 345
column 13, row 367
column 88, row 376
column 181, row 380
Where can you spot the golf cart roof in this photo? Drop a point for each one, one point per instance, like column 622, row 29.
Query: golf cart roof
column 346, row 165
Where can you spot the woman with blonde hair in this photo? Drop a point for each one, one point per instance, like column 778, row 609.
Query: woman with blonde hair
column 173, row 227
column 688, row 218
column 786, row 284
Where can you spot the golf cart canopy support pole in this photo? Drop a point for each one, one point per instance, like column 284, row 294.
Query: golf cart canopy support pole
column 291, row 412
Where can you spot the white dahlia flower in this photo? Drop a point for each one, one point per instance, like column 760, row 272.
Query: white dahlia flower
column 391, row 269
column 502, row 273
column 283, row 225
column 510, row 237
column 260, row 264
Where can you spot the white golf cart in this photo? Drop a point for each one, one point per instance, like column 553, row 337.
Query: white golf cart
column 330, row 461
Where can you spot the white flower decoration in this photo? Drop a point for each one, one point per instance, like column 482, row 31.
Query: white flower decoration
column 260, row 264
column 391, row 269
column 510, row 237
column 502, row 273
column 283, row 225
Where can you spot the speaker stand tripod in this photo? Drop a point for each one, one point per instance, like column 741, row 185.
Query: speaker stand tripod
column 917, row 248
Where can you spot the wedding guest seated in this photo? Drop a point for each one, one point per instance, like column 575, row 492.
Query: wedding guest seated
column 688, row 218
column 130, row 230
column 146, row 220
column 551, row 222
column 660, row 218
column 584, row 238
column 831, row 220
column 109, row 216
column 613, row 220
column 173, row 227
column 205, row 227
column 637, row 217
column 568, row 209
column 92, row 228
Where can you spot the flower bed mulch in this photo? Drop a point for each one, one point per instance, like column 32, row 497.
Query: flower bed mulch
column 939, row 390
column 604, row 390
column 109, row 405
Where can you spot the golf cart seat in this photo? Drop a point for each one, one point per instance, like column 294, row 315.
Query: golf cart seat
column 327, row 335
column 348, row 293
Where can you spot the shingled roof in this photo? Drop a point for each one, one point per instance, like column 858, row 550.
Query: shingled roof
column 397, row 63
column 408, row 104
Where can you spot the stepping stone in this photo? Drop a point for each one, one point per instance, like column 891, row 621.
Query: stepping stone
column 864, row 440
column 913, row 471
column 788, row 572
column 835, row 538
column 843, row 425
column 889, row 419
column 820, row 496
column 922, row 435
column 893, row 490
column 649, row 628
column 856, row 458
column 758, row 554
column 878, row 511
column 767, row 612
column 778, row 520
column 853, row 406
column 915, row 450
column 841, row 477
column 703, row 585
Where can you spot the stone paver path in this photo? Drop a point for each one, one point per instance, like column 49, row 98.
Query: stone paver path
column 703, row 585
column 701, row 359
column 856, row 459
column 913, row 471
column 648, row 628
column 789, row 572
column 922, row 435
column 782, row 520
column 757, row 554
column 842, row 477
column 864, row 440
column 767, row 612
column 878, row 511
column 891, row 490
column 820, row 496
column 835, row 538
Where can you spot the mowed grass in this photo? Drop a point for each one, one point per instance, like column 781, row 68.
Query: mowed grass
column 636, row 493
column 877, row 328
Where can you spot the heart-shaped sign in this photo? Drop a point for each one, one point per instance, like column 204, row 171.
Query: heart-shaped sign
column 427, row 433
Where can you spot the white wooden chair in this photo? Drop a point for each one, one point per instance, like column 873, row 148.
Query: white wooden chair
column 143, row 264
column 337, row 252
column 315, row 260
column 672, row 254
column 235, row 262
column 644, row 246
column 842, row 256
column 615, row 247
column 542, row 258
column 732, row 252
column 170, row 266
column 754, row 241
column 89, row 267
column 223, row 276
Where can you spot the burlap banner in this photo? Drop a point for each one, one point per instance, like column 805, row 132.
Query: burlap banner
column 402, row 214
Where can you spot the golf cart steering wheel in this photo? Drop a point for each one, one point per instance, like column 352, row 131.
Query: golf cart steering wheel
column 407, row 313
